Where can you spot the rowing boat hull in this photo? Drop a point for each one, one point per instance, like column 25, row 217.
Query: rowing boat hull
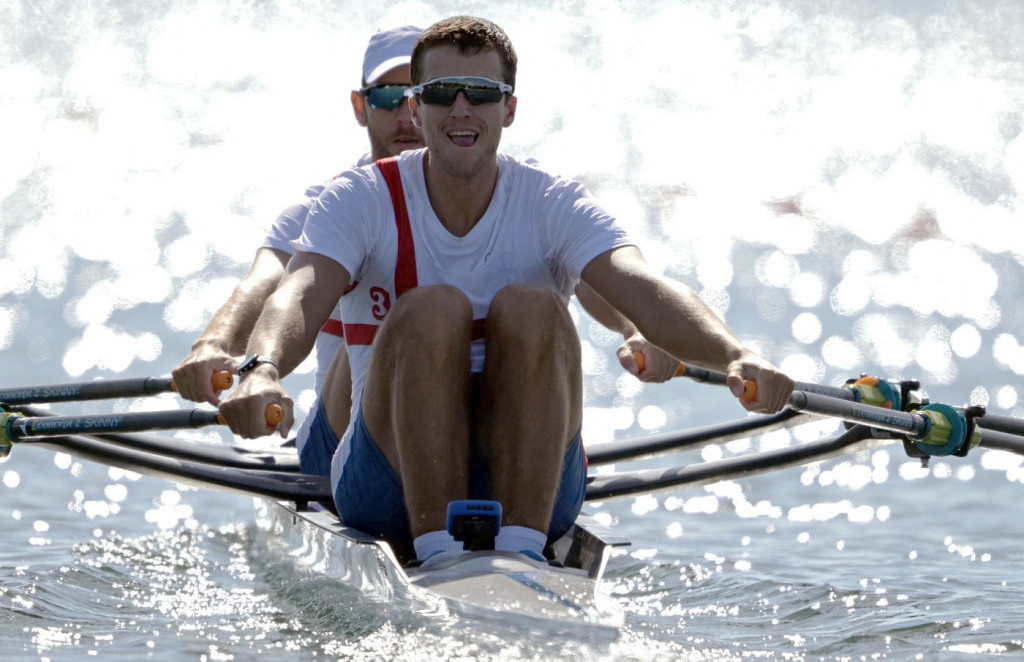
column 473, row 583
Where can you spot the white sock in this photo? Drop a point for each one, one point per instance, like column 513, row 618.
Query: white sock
column 435, row 541
column 520, row 539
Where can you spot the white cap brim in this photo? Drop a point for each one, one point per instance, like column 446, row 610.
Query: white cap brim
column 386, row 66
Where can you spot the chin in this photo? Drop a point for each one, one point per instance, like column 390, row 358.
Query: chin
column 463, row 162
column 465, row 168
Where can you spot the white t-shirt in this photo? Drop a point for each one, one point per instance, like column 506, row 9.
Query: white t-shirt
column 287, row 228
column 539, row 229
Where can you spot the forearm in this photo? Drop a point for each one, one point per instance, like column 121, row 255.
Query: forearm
column 284, row 332
column 686, row 327
column 229, row 328
column 603, row 312
column 671, row 317
column 282, row 335
column 294, row 314
column 675, row 319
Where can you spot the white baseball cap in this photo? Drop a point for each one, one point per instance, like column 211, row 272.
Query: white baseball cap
column 388, row 49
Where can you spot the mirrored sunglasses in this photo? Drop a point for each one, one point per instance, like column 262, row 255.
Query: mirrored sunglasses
column 387, row 97
column 443, row 91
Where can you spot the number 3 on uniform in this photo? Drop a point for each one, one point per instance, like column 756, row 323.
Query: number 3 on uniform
column 381, row 302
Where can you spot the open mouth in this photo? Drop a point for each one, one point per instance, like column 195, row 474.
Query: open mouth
column 463, row 138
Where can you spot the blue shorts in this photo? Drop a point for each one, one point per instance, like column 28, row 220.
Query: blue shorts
column 369, row 494
column 318, row 450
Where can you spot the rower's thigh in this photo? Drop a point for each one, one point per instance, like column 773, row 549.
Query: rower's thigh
column 533, row 351
column 410, row 352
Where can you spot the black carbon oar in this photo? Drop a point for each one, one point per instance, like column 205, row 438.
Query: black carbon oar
column 857, row 438
column 1003, row 441
column 668, row 442
column 241, row 457
column 100, row 389
column 606, row 486
column 14, row 427
column 285, row 485
column 1002, row 424
column 19, row 427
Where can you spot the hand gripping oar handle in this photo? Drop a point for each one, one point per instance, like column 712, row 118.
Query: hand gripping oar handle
column 273, row 415
column 15, row 427
column 222, row 380
column 101, row 389
column 641, row 362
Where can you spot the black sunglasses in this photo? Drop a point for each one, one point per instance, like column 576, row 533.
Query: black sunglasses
column 388, row 97
column 443, row 91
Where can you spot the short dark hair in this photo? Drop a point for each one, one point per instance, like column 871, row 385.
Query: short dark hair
column 470, row 35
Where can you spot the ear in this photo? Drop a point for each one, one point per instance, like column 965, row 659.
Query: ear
column 510, row 112
column 414, row 113
column 359, row 107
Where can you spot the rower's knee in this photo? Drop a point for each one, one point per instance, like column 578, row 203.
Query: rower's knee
column 534, row 319
column 431, row 316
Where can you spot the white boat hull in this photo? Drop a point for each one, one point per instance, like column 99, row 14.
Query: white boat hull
column 478, row 582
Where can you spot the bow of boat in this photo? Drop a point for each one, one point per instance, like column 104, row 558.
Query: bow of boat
column 484, row 582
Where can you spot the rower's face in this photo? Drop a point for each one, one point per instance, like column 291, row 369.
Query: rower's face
column 462, row 138
column 390, row 131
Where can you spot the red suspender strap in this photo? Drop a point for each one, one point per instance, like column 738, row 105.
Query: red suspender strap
column 405, row 267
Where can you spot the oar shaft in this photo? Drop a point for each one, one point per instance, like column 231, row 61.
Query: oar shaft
column 913, row 425
column 14, row 427
column 19, row 427
column 606, row 486
column 703, row 375
column 698, row 374
column 100, row 389
column 669, row 442
column 107, row 388
column 1006, row 424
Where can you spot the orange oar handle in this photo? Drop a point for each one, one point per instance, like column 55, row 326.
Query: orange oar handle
column 749, row 390
column 272, row 415
column 641, row 361
column 222, row 380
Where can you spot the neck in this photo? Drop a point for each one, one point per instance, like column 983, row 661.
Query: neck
column 460, row 201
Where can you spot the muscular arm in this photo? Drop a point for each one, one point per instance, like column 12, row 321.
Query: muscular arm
column 659, row 366
column 228, row 332
column 675, row 319
column 285, row 331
